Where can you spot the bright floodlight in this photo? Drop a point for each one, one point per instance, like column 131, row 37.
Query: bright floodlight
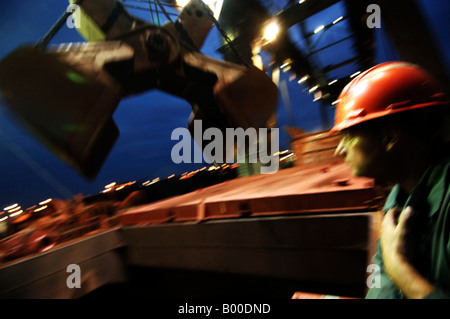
column 271, row 31
column 182, row 3
column 318, row 29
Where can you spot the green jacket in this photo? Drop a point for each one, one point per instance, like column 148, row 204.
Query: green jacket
column 431, row 202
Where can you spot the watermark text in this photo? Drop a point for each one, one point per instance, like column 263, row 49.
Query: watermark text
column 74, row 279
column 237, row 146
column 374, row 19
column 74, row 20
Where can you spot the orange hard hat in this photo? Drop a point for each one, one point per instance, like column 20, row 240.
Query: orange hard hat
column 385, row 89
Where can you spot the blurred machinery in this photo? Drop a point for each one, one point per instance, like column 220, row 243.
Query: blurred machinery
column 310, row 228
column 80, row 85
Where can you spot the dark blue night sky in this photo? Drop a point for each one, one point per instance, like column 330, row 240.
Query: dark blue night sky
column 29, row 173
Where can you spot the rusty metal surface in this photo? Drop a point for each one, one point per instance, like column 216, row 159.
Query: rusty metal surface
column 60, row 222
column 44, row 275
column 313, row 223
column 320, row 188
column 319, row 250
column 325, row 248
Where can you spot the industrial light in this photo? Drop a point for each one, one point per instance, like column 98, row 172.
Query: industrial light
column 287, row 156
column 285, row 64
column 182, row 3
column 40, row 208
column 148, row 183
column 332, row 82
column 301, row 1
column 338, row 19
column 280, row 153
column 336, row 102
column 271, row 31
column 11, row 207
column 16, row 213
column 313, row 88
column 14, row 209
column 318, row 29
column 355, row 74
column 303, row 79
column 45, row 202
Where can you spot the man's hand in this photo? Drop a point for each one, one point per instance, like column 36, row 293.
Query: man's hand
column 397, row 250
column 396, row 240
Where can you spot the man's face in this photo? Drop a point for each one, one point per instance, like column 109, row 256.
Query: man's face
column 364, row 152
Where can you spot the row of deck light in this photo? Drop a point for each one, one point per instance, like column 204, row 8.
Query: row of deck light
column 15, row 210
column 114, row 186
column 314, row 88
column 323, row 27
column 270, row 33
column 272, row 28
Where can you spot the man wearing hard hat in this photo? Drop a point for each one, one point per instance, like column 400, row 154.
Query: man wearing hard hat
column 394, row 124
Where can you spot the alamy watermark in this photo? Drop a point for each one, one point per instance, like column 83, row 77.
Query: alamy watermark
column 74, row 20
column 74, row 279
column 374, row 279
column 237, row 146
column 374, row 19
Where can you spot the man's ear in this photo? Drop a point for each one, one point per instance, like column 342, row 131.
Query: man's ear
column 391, row 136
